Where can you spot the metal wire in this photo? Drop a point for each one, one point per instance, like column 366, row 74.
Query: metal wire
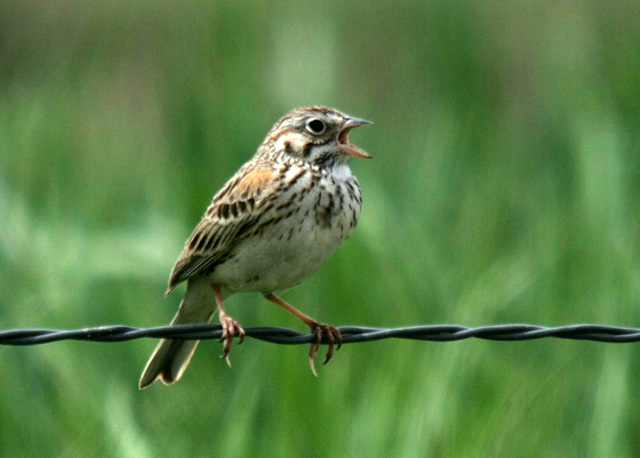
column 350, row 334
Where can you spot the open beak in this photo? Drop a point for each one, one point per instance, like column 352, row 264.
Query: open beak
column 343, row 138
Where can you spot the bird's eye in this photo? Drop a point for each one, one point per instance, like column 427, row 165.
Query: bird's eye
column 316, row 126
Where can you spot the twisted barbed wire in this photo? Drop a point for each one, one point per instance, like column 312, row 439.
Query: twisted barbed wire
column 350, row 334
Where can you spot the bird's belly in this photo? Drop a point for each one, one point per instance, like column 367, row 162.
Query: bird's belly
column 279, row 262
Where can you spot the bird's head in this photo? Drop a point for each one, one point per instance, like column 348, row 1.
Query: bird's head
column 317, row 135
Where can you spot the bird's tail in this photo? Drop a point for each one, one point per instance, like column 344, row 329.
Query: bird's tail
column 171, row 357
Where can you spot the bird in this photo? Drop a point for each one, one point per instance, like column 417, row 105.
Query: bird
column 274, row 223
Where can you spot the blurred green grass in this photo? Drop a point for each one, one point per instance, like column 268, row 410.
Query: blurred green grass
column 504, row 188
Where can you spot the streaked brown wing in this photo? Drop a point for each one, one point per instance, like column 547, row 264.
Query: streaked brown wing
column 231, row 216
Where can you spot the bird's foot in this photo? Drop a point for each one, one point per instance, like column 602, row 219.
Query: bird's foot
column 333, row 336
column 229, row 329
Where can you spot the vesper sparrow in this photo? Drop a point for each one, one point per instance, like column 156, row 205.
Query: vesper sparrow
column 274, row 223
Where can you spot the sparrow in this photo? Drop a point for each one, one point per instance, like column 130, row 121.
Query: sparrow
column 273, row 224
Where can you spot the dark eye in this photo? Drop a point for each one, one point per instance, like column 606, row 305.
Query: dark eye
column 315, row 126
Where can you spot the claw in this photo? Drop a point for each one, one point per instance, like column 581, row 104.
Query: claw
column 312, row 366
column 229, row 327
column 333, row 335
column 332, row 339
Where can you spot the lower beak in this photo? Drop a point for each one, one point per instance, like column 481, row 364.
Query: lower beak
column 353, row 150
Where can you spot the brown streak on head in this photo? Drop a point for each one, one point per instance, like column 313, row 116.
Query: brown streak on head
column 276, row 132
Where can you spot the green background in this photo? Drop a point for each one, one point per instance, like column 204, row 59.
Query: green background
column 504, row 188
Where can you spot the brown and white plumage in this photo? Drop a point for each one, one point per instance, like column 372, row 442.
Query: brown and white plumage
column 274, row 223
column 232, row 216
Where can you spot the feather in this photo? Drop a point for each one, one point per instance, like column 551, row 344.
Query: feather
column 233, row 215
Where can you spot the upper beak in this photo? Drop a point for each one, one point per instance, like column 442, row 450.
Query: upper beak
column 343, row 138
column 355, row 122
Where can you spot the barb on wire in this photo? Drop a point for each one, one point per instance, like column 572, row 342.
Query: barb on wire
column 350, row 334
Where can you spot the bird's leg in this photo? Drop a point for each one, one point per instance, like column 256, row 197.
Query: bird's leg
column 332, row 333
column 229, row 326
